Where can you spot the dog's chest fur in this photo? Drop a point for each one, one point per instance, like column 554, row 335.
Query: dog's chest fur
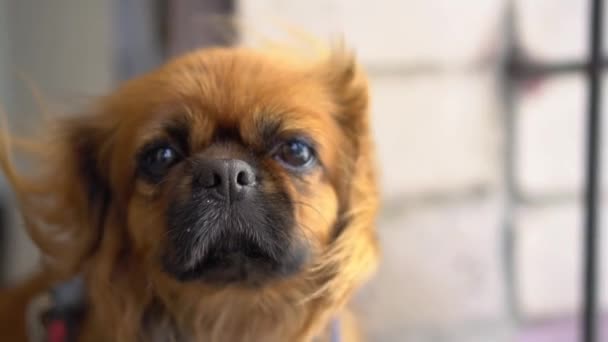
column 158, row 325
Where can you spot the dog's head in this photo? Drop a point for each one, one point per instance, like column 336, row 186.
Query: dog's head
column 225, row 166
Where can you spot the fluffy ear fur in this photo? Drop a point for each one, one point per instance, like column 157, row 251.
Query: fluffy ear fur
column 353, row 255
column 348, row 83
column 64, row 203
column 63, row 206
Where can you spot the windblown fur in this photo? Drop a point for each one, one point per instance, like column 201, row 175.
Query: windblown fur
column 88, row 215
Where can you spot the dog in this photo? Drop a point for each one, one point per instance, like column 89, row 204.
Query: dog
column 229, row 195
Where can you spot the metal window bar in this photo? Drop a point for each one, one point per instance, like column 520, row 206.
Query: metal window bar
column 517, row 67
column 592, row 186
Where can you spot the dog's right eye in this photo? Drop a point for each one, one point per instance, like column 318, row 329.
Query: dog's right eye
column 156, row 161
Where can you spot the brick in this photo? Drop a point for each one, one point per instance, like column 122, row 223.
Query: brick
column 395, row 32
column 436, row 133
column 553, row 30
column 440, row 269
column 551, row 130
column 549, row 260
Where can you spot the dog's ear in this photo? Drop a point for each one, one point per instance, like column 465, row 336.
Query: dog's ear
column 63, row 195
column 85, row 140
column 353, row 253
column 348, row 86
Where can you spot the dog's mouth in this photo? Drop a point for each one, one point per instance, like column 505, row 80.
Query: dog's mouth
column 237, row 260
column 247, row 242
column 240, row 261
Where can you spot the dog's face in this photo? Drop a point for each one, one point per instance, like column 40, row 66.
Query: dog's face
column 229, row 166
column 210, row 195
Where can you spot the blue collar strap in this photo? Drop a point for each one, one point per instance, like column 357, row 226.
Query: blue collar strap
column 334, row 331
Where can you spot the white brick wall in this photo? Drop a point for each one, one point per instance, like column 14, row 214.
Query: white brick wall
column 553, row 29
column 551, row 124
column 440, row 267
column 556, row 30
column 435, row 133
column 388, row 32
column 551, row 131
column 550, row 260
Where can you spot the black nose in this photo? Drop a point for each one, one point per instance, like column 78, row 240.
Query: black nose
column 232, row 179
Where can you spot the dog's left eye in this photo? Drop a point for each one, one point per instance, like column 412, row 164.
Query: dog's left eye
column 296, row 154
column 156, row 161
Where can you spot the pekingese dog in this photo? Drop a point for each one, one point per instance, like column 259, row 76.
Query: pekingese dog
column 229, row 195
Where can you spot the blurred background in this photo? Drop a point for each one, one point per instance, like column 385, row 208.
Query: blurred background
column 479, row 116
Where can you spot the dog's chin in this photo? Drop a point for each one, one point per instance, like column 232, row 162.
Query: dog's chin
column 240, row 262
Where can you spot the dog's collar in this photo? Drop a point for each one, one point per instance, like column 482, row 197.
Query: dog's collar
column 62, row 317
column 335, row 331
